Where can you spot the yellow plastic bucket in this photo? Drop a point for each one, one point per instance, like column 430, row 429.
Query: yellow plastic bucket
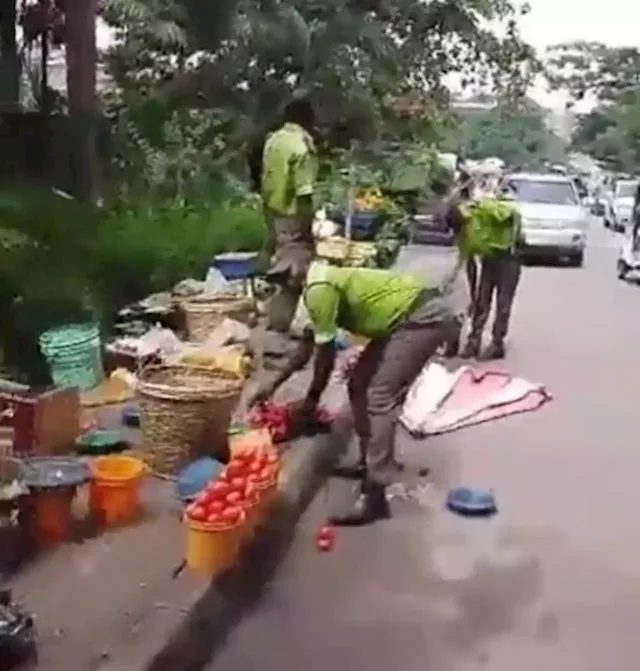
column 212, row 549
column 253, row 513
column 267, row 491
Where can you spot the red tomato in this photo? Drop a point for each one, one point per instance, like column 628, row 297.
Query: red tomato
column 254, row 467
column 247, row 455
column 231, row 514
column 213, row 518
column 327, row 532
column 239, row 483
column 266, row 473
column 252, row 478
column 324, row 544
column 233, row 497
column 204, row 500
column 215, row 507
column 219, row 489
column 250, row 491
column 271, row 458
column 198, row 513
column 234, row 469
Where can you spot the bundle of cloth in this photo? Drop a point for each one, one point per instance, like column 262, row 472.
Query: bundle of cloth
column 441, row 401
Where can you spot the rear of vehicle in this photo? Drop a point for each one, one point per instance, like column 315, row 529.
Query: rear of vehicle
column 623, row 200
column 429, row 229
column 554, row 222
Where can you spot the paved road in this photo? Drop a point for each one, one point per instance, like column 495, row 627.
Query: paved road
column 553, row 581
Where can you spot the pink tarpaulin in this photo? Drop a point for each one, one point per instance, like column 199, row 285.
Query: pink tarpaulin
column 441, row 401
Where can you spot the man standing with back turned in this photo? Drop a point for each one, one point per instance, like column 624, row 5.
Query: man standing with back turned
column 499, row 276
column 289, row 171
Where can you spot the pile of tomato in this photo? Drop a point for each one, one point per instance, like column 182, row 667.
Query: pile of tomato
column 236, row 489
column 278, row 419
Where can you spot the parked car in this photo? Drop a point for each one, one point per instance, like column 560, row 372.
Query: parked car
column 428, row 229
column 554, row 221
column 624, row 194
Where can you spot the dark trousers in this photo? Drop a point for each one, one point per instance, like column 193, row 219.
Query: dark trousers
column 499, row 276
column 293, row 252
column 381, row 379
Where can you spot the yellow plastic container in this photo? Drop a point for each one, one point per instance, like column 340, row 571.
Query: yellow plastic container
column 253, row 512
column 114, row 496
column 267, row 491
column 212, row 549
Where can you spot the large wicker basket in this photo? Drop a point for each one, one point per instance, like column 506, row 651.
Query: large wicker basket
column 184, row 412
column 202, row 315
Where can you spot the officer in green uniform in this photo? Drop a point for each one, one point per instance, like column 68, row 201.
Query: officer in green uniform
column 499, row 272
column 405, row 322
column 288, row 183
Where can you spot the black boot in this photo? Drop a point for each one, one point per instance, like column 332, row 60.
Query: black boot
column 471, row 350
column 494, row 352
column 371, row 506
column 349, row 471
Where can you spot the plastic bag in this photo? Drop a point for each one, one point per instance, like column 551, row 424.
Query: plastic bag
column 228, row 332
column 215, row 281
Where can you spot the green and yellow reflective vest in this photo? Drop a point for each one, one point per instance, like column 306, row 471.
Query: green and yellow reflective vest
column 490, row 227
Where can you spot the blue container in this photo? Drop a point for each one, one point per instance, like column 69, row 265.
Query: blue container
column 362, row 225
column 74, row 355
column 196, row 476
column 237, row 265
column 472, row 502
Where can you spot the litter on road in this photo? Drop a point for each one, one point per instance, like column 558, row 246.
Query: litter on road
column 441, row 401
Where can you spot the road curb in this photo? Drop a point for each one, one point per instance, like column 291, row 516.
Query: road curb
column 213, row 616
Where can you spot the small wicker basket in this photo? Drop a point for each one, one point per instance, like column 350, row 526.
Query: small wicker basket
column 184, row 409
column 203, row 315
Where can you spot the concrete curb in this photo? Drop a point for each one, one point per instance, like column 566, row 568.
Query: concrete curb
column 205, row 628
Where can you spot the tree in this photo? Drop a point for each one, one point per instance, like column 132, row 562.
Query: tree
column 518, row 136
column 354, row 53
column 611, row 133
column 583, row 68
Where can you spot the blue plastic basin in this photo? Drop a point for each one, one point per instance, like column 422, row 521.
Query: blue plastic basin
column 237, row 265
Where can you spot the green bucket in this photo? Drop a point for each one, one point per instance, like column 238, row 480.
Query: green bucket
column 74, row 355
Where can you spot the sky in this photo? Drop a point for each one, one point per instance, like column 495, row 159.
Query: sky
column 554, row 21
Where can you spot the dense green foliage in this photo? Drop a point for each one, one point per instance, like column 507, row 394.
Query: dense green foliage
column 611, row 131
column 519, row 136
column 61, row 261
column 584, row 68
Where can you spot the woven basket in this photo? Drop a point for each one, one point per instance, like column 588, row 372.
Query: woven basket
column 183, row 410
column 203, row 315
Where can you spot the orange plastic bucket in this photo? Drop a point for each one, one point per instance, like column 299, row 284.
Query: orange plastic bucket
column 211, row 548
column 52, row 516
column 114, row 495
